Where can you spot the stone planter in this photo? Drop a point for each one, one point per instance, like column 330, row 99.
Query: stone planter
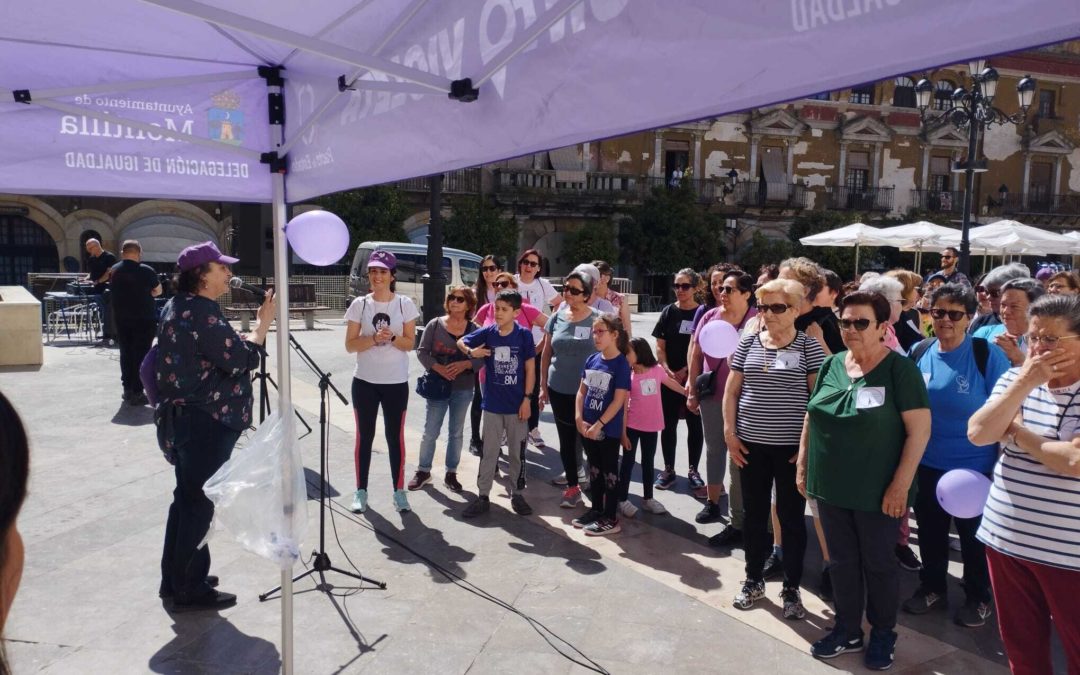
column 20, row 328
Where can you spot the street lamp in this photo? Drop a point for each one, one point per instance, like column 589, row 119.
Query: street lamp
column 973, row 110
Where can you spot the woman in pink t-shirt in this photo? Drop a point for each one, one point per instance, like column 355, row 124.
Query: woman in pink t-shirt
column 530, row 316
column 644, row 420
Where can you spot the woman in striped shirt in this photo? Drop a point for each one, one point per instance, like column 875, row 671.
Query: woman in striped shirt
column 772, row 374
column 1031, row 521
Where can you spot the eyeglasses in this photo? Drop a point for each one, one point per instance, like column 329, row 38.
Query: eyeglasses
column 457, row 298
column 993, row 292
column 531, row 263
column 953, row 314
column 1049, row 341
column 858, row 324
column 776, row 308
column 1057, row 287
column 948, row 257
column 573, row 291
column 726, row 290
column 922, row 310
column 488, row 268
column 682, row 287
column 501, row 284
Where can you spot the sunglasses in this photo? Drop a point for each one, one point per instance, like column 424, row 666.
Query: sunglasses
column 993, row 293
column 922, row 310
column 858, row 324
column 457, row 298
column 531, row 263
column 948, row 257
column 573, row 291
column 682, row 287
column 501, row 284
column 776, row 308
column 953, row 314
column 489, row 268
column 1049, row 341
column 727, row 290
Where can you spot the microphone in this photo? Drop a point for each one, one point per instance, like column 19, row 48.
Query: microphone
column 238, row 284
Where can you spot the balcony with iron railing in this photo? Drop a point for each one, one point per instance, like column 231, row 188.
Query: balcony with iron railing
column 462, row 181
column 761, row 194
column 1039, row 202
column 861, row 199
column 705, row 189
column 940, row 201
column 544, row 185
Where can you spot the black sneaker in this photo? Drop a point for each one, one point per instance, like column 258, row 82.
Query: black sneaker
column 165, row 590
column 907, row 558
column 587, row 518
column 729, row 536
column 751, row 592
column 476, row 447
column 212, row 601
column 880, row 650
column 836, row 643
column 973, row 614
column 923, row 601
column 138, row 399
column 520, row 506
column 479, row 507
column 793, row 607
column 710, row 513
column 451, row 481
column 665, row 479
column 774, row 567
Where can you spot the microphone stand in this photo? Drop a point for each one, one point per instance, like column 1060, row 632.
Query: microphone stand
column 321, row 561
column 264, row 393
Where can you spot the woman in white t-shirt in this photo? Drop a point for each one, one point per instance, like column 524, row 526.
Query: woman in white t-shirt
column 539, row 293
column 381, row 332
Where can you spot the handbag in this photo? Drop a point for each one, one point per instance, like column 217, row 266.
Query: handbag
column 705, row 384
column 433, row 386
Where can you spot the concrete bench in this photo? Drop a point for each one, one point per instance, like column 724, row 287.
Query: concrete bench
column 301, row 301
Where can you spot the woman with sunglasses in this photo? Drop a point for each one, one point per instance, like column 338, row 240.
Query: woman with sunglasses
column 672, row 333
column 867, row 424
column 485, row 294
column 960, row 372
column 1028, row 524
column 735, row 289
column 816, row 321
column 907, row 326
column 568, row 343
column 772, row 373
column 438, row 353
column 539, row 293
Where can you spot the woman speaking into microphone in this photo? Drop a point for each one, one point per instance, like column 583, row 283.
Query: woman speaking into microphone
column 204, row 386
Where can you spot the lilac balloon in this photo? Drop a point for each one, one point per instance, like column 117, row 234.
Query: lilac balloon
column 718, row 339
column 319, row 237
column 963, row 492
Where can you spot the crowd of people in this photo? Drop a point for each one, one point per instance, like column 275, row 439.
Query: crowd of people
column 850, row 399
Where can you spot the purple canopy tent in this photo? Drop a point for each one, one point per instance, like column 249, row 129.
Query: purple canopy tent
column 262, row 101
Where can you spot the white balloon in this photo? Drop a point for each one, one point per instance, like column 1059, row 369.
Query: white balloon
column 319, row 237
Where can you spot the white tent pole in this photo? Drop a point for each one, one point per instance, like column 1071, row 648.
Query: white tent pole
column 525, row 39
column 856, row 260
column 148, row 128
column 304, row 42
column 163, row 82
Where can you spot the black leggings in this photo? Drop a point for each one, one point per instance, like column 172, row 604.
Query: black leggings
column 626, row 469
column 674, row 405
column 563, row 407
column 477, row 411
column 534, row 397
column 766, row 465
column 394, row 399
column 603, row 459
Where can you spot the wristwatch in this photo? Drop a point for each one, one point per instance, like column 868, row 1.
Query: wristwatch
column 392, row 338
column 468, row 352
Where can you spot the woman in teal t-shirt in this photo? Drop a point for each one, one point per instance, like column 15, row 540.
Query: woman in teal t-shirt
column 867, row 424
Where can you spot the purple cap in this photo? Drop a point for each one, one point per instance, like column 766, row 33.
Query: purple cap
column 200, row 254
column 383, row 259
column 1044, row 273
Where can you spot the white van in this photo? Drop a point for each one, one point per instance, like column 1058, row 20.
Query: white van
column 458, row 268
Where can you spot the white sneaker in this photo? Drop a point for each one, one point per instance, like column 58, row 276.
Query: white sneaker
column 627, row 509
column 654, row 507
column 536, row 439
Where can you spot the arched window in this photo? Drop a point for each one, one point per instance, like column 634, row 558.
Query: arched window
column 25, row 247
column 943, row 94
column 904, row 93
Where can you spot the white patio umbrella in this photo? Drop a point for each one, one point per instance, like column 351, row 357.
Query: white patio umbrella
column 918, row 237
column 856, row 234
column 1075, row 236
column 1012, row 237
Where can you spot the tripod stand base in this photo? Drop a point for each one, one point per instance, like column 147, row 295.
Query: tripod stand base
column 320, row 566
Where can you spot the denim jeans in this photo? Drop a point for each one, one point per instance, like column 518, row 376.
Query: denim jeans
column 458, row 404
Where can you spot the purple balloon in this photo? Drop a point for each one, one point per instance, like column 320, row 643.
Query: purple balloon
column 319, row 237
column 718, row 339
column 963, row 492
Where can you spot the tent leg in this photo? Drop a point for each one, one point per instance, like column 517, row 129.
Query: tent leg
column 856, row 262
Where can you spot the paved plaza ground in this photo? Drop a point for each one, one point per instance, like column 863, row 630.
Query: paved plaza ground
column 500, row 593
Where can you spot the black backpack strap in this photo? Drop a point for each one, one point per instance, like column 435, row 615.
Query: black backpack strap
column 982, row 354
column 919, row 349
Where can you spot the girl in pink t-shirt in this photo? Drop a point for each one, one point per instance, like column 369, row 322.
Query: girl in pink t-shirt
column 644, row 420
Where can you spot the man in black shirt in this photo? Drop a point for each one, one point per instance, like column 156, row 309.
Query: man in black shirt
column 133, row 287
column 99, row 268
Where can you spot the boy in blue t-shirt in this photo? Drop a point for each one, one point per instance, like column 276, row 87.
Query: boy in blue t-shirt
column 509, row 355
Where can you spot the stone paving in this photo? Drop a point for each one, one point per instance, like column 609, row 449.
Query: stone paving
column 494, row 594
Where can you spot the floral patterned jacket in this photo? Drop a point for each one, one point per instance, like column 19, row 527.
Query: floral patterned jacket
column 203, row 363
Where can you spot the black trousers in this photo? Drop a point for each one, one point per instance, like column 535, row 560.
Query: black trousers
column 864, row 572
column 767, row 465
column 367, row 397
column 202, row 445
column 134, row 338
column 476, row 413
column 648, row 454
column 603, row 459
column 534, row 397
column 564, row 410
column 674, row 406
column 934, row 524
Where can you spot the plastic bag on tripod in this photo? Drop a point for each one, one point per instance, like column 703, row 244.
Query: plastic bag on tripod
column 260, row 495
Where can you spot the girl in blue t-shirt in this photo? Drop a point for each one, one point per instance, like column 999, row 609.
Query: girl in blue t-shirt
column 601, row 399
